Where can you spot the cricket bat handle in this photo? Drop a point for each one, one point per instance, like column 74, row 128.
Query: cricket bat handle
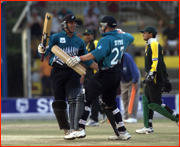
column 42, row 57
column 44, row 44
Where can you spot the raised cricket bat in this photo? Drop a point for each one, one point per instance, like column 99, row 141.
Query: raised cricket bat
column 46, row 31
column 64, row 57
column 131, row 101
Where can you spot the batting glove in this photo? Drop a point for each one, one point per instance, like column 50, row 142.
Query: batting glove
column 41, row 49
column 73, row 61
column 150, row 78
column 167, row 86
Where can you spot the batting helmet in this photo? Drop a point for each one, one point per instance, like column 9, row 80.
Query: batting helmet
column 107, row 21
column 68, row 18
column 110, row 21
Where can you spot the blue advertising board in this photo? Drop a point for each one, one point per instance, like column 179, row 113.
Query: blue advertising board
column 24, row 105
column 43, row 106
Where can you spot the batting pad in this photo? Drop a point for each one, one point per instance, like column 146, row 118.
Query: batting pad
column 79, row 109
column 60, row 111
column 145, row 111
column 161, row 110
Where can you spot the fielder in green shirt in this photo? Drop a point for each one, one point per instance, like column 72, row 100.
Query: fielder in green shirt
column 156, row 80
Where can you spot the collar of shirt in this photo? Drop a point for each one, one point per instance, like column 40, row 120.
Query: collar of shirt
column 88, row 43
column 150, row 41
column 64, row 32
column 110, row 33
column 91, row 41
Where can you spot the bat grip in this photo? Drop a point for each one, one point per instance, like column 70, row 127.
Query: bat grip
column 94, row 80
column 42, row 57
column 44, row 44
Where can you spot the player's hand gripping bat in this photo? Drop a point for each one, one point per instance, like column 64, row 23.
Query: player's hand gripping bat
column 64, row 57
column 46, row 31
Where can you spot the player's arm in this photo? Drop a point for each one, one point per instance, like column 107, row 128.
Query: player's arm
column 84, row 56
column 90, row 56
column 134, row 72
column 71, row 62
column 94, row 66
column 87, row 57
column 83, row 52
column 155, row 49
column 130, row 38
column 97, row 54
column 46, row 49
column 151, row 77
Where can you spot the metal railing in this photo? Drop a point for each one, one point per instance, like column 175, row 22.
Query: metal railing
column 78, row 6
column 75, row 6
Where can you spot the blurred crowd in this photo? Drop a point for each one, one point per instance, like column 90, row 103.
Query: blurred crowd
column 91, row 16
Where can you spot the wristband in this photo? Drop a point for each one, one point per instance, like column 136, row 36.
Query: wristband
column 81, row 58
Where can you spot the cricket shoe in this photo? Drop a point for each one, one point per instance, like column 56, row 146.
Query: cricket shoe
column 70, row 135
column 92, row 123
column 145, row 130
column 122, row 136
column 80, row 133
column 130, row 120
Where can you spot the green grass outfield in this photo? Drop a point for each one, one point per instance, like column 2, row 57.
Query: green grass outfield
column 47, row 133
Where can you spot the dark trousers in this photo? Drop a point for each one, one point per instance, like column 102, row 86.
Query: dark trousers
column 95, row 109
column 109, row 79
column 110, row 83
column 154, row 94
column 64, row 80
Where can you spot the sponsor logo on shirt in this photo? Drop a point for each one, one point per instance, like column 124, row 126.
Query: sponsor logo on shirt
column 99, row 47
column 62, row 40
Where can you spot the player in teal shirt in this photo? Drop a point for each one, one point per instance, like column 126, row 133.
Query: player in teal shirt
column 111, row 47
column 73, row 46
column 108, row 54
column 65, row 81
